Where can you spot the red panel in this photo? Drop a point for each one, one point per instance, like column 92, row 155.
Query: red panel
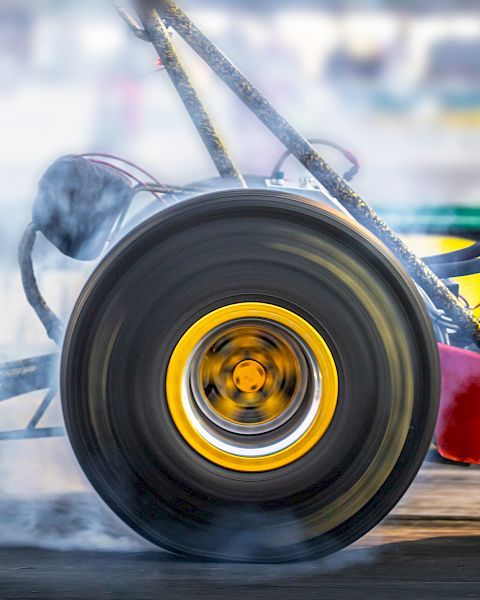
column 458, row 425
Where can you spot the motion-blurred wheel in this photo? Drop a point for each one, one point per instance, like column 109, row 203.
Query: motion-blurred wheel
column 250, row 376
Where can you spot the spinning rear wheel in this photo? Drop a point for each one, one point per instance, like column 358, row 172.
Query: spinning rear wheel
column 251, row 386
column 250, row 376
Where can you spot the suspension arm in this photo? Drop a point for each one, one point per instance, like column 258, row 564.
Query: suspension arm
column 28, row 375
column 157, row 32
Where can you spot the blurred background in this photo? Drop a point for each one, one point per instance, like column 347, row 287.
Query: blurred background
column 397, row 82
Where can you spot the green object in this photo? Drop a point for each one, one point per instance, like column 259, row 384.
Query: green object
column 433, row 219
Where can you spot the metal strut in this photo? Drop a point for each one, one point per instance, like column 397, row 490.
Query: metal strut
column 157, row 32
column 23, row 377
column 51, row 322
column 153, row 14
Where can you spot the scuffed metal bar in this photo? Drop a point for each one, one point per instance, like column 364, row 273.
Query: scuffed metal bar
column 42, row 409
column 160, row 38
column 51, row 322
column 26, row 434
column 25, row 376
column 130, row 22
column 319, row 168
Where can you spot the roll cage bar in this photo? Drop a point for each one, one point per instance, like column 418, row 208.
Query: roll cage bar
column 156, row 20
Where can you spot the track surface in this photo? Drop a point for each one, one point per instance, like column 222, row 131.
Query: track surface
column 428, row 548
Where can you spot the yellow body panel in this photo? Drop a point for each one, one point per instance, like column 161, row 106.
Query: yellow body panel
column 428, row 245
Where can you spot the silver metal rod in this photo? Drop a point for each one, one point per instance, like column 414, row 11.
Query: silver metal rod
column 42, row 409
column 25, row 434
column 160, row 38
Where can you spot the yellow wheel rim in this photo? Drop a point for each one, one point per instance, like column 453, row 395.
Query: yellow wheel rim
column 252, row 368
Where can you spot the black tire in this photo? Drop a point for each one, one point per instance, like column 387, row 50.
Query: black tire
column 231, row 247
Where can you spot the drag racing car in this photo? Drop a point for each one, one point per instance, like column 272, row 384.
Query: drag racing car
column 256, row 368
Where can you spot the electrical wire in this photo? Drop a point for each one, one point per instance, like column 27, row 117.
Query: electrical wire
column 158, row 188
column 147, row 187
column 118, row 169
column 465, row 301
column 348, row 175
column 467, row 304
column 125, row 162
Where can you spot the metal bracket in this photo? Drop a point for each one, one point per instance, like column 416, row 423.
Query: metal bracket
column 25, row 376
column 31, row 431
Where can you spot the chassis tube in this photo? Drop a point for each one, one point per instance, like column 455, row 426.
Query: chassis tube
column 313, row 162
column 157, row 33
column 27, row 375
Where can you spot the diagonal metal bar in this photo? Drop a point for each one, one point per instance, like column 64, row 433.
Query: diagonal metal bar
column 41, row 410
column 130, row 22
column 158, row 34
column 313, row 162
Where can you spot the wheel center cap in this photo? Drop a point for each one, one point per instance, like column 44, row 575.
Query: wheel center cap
column 249, row 376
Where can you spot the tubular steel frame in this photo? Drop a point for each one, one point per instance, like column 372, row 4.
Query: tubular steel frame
column 156, row 16
column 157, row 19
column 25, row 376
